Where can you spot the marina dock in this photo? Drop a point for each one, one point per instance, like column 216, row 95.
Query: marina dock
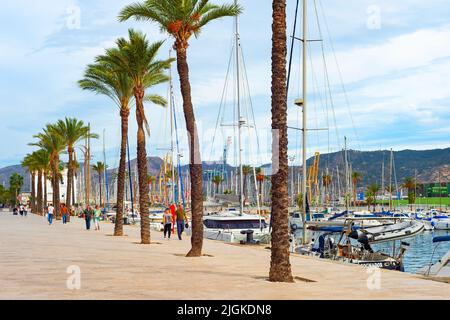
column 35, row 257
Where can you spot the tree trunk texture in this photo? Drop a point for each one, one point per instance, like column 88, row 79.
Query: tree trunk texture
column 69, row 199
column 195, row 165
column 100, row 186
column 118, row 227
column 56, row 195
column 39, row 208
column 45, row 191
column 142, row 168
column 280, row 266
column 33, row 192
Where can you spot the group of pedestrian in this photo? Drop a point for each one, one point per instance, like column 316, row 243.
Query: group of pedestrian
column 65, row 213
column 22, row 210
column 92, row 214
column 174, row 217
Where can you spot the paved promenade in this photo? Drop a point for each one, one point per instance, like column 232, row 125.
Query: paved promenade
column 34, row 258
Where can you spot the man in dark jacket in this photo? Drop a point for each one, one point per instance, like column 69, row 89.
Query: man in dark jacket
column 88, row 213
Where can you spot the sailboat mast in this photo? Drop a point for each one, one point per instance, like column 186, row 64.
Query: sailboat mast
column 172, row 145
column 106, row 167
column 87, row 167
column 390, row 181
column 304, row 132
column 347, row 183
column 382, row 181
column 240, row 122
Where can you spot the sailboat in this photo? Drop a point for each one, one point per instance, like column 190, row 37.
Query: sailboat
column 233, row 224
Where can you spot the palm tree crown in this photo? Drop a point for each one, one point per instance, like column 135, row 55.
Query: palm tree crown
column 179, row 18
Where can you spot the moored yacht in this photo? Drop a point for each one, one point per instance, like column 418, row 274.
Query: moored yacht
column 231, row 226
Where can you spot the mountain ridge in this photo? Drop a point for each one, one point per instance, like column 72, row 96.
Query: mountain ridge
column 432, row 165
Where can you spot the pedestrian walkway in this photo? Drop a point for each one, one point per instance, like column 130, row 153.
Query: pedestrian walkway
column 35, row 257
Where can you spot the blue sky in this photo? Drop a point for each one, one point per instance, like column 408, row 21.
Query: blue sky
column 393, row 58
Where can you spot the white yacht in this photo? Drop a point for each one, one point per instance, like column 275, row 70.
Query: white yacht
column 296, row 219
column 231, row 226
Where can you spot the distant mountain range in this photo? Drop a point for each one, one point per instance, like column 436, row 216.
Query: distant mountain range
column 427, row 165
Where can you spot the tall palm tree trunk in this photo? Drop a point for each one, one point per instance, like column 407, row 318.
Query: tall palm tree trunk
column 70, row 175
column 142, row 168
column 33, row 192
column 100, row 186
column 195, row 165
column 280, row 266
column 45, row 178
column 39, row 193
column 56, row 195
column 260, row 193
column 118, row 227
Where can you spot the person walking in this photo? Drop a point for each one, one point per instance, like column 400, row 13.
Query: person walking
column 21, row 210
column 25, row 210
column 88, row 213
column 50, row 211
column 65, row 213
column 173, row 210
column 97, row 216
column 182, row 220
column 167, row 220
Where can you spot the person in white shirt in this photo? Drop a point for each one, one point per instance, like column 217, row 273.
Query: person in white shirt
column 50, row 211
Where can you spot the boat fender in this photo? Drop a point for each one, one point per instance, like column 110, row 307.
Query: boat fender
column 356, row 234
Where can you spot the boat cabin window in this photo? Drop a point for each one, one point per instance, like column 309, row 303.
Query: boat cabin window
column 234, row 224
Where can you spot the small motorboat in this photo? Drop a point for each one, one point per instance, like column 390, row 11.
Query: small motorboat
column 345, row 250
column 383, row 233
column 441, row 223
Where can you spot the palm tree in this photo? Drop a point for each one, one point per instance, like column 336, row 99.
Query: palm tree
column 326, row 182
column 370, row 198
column 100, row 168
column 72, row 131
column 280, row 266
column 41, row 161
column 410, row 184
column 15, row 184
column 217, row 180
column 104, row 78
column 260, row 178
column 53, row 144
column 356, row 178
column 182, row 19
column 29, row 163
column 137, row 58
column 373, row 190
column 246, row 170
